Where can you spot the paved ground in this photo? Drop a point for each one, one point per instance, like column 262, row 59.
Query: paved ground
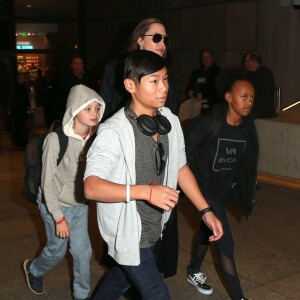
column 267, row 246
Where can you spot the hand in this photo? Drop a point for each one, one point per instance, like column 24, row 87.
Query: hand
column 164, row 197
column 215, row 225
column 62, row 229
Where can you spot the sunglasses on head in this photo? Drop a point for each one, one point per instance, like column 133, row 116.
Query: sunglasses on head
column 159, row 161
column 157, row 37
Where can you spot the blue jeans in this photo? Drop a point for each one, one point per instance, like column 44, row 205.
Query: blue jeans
column 56, row 248
column 145, row 277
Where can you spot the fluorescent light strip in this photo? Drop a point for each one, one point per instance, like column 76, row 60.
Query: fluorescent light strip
column 290, row 106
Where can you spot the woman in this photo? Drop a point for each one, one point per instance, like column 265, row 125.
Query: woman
column 150, row 34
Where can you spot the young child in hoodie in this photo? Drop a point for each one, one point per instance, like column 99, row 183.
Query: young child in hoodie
column 61, row 201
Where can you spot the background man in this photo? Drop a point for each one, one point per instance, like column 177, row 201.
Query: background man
column 263, row 81
column 202, row 81
column 76, row 76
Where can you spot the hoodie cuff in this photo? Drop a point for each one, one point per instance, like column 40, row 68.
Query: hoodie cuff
column 57, row 214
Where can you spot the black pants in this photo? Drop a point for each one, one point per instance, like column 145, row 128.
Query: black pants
column 166, row 249
column 19, row 131
column 225, row 248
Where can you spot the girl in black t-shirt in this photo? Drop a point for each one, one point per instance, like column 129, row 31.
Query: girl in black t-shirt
column 222, row 149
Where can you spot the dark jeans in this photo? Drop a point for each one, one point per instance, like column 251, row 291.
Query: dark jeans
column 145, row 277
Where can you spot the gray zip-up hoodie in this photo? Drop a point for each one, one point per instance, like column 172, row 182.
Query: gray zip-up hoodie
column 112, row 157
column 62, row 185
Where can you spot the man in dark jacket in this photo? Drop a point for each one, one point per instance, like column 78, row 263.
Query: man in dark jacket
column 202, row 81
column 18, row 108
column 75, row 77
column 263, row 81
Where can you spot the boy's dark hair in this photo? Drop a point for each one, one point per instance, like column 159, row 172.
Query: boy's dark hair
column 228, row 77
column 140, row 63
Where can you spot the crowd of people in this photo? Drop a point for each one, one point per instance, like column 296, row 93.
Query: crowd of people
column 138, row 160
column 48, row 91
column 201, row 88
column 51, row 91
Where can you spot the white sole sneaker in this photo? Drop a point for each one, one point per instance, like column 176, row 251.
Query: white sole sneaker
column 202, row 291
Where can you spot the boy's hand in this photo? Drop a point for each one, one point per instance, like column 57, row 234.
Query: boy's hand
column 214, row 224
column 164, row 197
column 62, row 229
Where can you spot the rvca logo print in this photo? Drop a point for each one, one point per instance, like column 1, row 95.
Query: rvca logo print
column 227, row 154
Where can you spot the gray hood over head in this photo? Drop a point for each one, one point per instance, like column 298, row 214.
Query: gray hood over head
column 79, row 97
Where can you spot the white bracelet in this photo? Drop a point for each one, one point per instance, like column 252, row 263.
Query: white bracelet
column 127, row 193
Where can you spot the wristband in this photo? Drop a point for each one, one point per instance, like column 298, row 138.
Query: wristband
column 127, row 193
column 206, row 210
column 152, row 184
column 60, row 221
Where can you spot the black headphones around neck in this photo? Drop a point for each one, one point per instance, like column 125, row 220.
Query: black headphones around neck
column 151, row 125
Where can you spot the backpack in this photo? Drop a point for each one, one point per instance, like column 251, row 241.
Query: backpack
column 33, row 163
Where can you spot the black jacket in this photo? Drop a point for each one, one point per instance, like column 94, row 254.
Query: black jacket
column 203, row 130
column 207, row 88
column 264, row 85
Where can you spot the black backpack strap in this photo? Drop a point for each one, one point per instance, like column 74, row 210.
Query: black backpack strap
column 63, row 143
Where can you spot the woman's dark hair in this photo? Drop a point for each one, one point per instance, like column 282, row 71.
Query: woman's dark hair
column 228, row 77
column 140, row 63
column 140, row 30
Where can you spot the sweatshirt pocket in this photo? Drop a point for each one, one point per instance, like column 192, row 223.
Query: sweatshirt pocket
column 67, row 193
column 129, row 228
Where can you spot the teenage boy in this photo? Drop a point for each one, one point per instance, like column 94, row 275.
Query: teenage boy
column 132, row 171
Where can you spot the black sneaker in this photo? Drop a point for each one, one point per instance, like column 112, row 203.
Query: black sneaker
column 198, row 279
column 35, row 284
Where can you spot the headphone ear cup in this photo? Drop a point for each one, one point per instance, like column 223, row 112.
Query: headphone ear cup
column 163, row 124
column 147, row 125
